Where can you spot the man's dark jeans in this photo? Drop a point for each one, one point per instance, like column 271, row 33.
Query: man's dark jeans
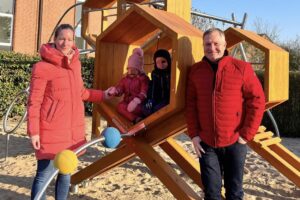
column 227, row 162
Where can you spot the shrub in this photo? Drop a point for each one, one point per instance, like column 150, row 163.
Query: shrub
column 15, row 70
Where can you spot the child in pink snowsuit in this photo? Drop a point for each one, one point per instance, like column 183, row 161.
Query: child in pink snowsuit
column 134, row 86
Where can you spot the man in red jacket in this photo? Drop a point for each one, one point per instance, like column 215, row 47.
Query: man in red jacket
column 224, row 107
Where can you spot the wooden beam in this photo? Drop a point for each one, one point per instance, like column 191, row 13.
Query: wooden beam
column 165, row 173
column 183, row 159
column 286, row 167
column 114, row 159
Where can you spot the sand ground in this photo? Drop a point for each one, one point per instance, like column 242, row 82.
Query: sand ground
column 133, row 180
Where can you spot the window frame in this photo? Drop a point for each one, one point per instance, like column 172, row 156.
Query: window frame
column 84, row 45
column 11, row 16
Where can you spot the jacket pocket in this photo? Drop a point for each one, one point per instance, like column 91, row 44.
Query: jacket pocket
column 51, row 111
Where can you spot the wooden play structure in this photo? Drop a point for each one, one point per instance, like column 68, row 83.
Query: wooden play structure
column 149, row 28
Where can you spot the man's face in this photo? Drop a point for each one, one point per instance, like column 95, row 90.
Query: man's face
column 214, row 46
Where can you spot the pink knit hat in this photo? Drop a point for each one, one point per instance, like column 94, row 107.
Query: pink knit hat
column 136, row 60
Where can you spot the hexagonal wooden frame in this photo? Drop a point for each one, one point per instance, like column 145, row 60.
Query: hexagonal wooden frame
column 134, row 29
column 276, row 76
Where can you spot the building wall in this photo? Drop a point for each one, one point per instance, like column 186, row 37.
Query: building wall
column 30, row 29
column 52, row 11
column 25, row 26
column 34, row 21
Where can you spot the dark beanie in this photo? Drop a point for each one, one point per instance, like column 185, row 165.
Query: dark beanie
column 162, row 53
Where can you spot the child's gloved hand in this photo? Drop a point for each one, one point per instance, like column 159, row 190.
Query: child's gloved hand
column 149, row 104
column 133, row 104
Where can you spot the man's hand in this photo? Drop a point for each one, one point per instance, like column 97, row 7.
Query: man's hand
column 35, row 141
column 198, row 148
column 241, row 140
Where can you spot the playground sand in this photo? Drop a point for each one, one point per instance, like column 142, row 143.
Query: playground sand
column 133, row 180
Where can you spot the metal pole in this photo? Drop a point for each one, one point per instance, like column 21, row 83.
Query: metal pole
column 216, row 18
column 273, row 122
column 77, row 4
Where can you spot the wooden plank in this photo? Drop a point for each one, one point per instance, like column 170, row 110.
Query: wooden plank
column 99, row 4
column 270, row 141
column 121, row 155
column 153, row 136
column 264, row 135
column 261, row 129
column 290, row 157
column 162, row 170
column 251, row 37
column 95, row 123
column 183, row 160
column 180, row 8
column 278, row 76
column 277, row 161
column 170, row 20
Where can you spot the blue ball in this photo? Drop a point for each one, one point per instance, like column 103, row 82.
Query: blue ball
column 112, row 137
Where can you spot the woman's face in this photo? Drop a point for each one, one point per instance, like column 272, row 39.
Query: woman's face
column 64, row 41
column 161, row 63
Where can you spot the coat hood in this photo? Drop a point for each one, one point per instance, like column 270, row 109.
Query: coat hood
column 51, row 55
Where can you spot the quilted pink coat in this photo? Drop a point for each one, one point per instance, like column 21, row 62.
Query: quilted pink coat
column 55, row 104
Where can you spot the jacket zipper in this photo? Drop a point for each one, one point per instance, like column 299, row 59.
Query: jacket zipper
column 214, row 105
column 217, row 80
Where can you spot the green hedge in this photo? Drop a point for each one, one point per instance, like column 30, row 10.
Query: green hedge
column 15, row 73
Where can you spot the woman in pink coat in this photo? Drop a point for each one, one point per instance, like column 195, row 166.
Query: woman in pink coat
column 55, row 107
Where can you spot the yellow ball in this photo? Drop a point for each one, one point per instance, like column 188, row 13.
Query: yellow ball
column 66, row 162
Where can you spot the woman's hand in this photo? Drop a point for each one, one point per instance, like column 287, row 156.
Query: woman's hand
column 109, row 93
column 112, row 91
column 35, row 141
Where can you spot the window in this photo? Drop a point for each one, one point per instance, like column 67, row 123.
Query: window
column 6, row 24
column 80, row 42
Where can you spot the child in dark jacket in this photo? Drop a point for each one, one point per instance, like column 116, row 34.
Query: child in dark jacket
column 158, row 94
column 133, row 86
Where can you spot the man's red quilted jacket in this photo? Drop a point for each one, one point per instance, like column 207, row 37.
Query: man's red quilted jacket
column 55, row 105
column 222, row 107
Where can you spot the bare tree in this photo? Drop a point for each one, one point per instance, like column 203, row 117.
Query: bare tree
column 262, row 27
column 201, row 22
column 293, row 47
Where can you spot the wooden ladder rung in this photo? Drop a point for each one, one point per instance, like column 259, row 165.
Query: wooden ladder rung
column 270, row 141
column 263, row 135
column 261, row 129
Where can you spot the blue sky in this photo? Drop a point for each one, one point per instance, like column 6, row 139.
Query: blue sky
column 285, row 15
